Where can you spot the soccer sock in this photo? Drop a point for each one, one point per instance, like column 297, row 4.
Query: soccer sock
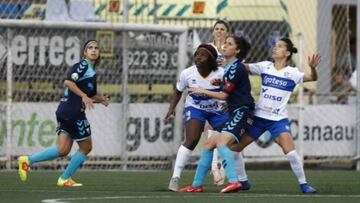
column 47, row 154
column 228, row 162
column 296, row 166
column 203, row 167
column 182, row 158
column 240, row 166
column 76, row 160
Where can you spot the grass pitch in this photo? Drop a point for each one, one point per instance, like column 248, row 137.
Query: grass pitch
column 103, row 186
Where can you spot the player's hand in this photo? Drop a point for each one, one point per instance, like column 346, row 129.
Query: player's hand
column 217, row 42
column 88, row 102
column 197, row 90
column 170, row 114
column 314, row 60
column 105, row 100
column 224, row 107
column 216, row 82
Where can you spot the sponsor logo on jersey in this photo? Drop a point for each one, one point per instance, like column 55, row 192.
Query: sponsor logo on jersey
column 272, row 97
column 273, row 80
column 91, row 86
column 278, row 82
column 214, row 105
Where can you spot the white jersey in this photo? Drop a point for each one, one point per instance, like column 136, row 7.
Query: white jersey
column 276, row 89
column 190, row 77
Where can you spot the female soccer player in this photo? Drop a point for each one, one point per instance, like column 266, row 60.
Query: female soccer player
column 221, row 31
column 236, row 92
column 198, row 109
column 278, row 82
column 80, row 93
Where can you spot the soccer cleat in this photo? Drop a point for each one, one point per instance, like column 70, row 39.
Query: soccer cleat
column 190, row 188
column 245, row 185
column 219, row 176
column 24, row 167
column 174, row 184
column 68, row 183
column 307, row 189
column 231, row 187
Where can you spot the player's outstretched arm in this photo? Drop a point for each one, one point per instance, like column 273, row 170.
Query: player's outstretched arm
column 103, row 99
column 74, row 88
column 313, row 62
column 175, row 97
column 216, row 95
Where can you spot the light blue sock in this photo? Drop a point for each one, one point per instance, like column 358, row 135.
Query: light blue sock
column 203, row 167
column 228, row 163
column 76, row 160
column 47, row 154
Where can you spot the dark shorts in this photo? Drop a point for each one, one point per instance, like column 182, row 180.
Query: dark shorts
column 260, row 125
column 78, row 129
column 240, row 120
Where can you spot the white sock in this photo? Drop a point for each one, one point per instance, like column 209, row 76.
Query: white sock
column 216, row 160
column 240, row 166
column 296, row 166
column 182, row 158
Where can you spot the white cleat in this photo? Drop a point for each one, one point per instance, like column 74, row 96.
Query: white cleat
column 219, row 176
column 174, row 184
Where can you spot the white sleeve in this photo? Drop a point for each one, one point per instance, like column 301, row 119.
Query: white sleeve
column 181, row 85
column 298, row 76
column 258, row 68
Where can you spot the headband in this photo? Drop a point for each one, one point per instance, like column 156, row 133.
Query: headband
column 209, row 52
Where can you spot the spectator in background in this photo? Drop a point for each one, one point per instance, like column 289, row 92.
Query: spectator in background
column 341, row 86
column 347, row 63
column 345, row 71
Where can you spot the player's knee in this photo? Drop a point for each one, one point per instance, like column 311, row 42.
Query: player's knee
column 190, row 144
column 86, row 149
column 64, row 151
column 210, row 143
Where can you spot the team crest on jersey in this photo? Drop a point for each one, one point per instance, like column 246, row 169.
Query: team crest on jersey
column 75, row 76
column 193, row 81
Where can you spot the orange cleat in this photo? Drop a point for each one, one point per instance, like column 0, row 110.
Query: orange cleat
column 231, row 187
column 190, row 188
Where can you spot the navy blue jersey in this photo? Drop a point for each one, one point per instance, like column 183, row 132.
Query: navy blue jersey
column 237, row 86
column 83, row 75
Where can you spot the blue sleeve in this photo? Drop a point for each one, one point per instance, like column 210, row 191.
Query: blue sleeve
column 77, row 71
